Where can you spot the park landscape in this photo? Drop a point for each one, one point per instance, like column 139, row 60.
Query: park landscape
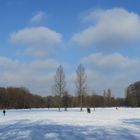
column 69, row 70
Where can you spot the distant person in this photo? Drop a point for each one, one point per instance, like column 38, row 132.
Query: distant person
column 4, row 111
column 88, row 110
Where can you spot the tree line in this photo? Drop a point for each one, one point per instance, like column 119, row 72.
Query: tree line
column 14, row 97
column 19, row 97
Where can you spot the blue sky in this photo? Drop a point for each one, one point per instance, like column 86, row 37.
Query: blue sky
column 37, row 36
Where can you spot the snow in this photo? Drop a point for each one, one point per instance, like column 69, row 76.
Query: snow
column 44, row 124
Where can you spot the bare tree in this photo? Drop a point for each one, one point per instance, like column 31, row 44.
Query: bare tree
column 59, row 85
column 81, row 83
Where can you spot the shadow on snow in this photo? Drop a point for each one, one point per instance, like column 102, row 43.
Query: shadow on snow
column 26, row 130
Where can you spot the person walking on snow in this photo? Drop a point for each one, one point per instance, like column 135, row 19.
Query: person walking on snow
column 4, row 111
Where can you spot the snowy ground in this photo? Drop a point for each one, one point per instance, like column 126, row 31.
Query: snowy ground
column 41, row 124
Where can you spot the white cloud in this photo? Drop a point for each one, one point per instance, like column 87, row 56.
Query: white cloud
column 113, row 27
column 38, row 17
column 37, row 40
column 111, row 61
column 7, row 63
column 45, row 64
column 37, row 75
column 113, row 71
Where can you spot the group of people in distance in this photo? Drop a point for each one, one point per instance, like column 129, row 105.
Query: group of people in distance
column 88, row 111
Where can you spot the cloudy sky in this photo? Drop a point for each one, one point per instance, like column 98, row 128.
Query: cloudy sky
column 36, row 36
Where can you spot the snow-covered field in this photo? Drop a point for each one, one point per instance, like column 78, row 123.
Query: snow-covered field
column 44, row 124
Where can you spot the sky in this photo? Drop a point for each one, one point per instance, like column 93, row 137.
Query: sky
column 36, row 36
